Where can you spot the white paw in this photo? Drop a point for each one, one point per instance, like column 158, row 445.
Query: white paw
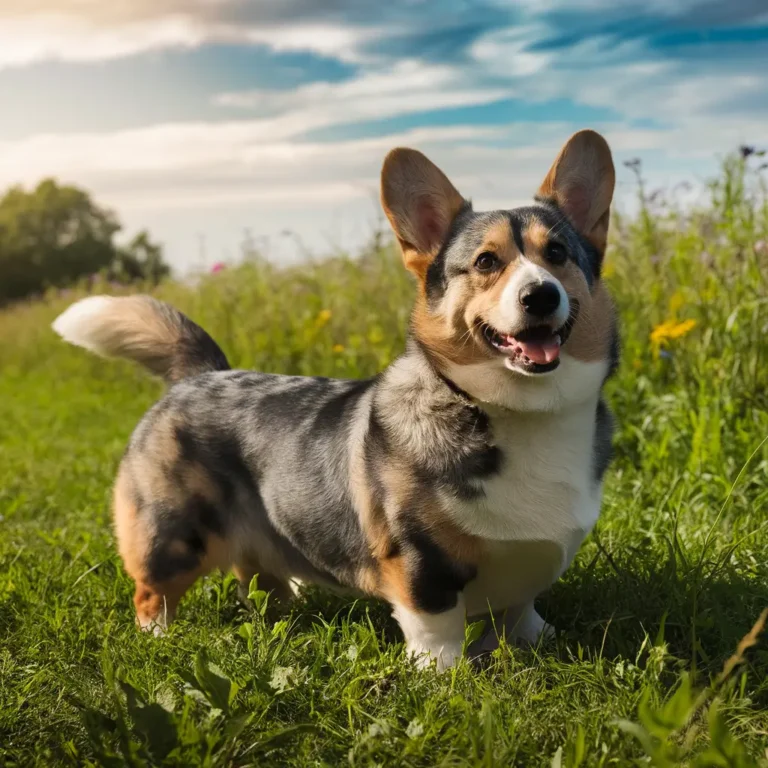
column 445, row 657
column 157, row 627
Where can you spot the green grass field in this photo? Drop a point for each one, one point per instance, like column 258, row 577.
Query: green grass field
column 658, row 599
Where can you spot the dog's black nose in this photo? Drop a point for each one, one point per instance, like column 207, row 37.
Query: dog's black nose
column 540, row 300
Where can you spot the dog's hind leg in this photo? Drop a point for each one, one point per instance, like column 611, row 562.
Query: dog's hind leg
column 164, row 549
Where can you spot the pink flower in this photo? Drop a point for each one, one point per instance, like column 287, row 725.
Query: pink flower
column 218, row 266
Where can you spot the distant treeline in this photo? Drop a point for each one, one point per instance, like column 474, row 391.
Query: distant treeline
column 55, row 235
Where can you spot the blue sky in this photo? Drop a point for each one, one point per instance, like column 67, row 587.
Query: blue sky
column 204, row 119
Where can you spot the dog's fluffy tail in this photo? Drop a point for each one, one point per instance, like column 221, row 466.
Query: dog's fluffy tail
column 142, row 329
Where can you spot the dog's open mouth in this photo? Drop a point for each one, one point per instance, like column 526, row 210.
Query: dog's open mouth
column 533, row 350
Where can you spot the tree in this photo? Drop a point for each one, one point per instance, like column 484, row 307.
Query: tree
column 55, row 234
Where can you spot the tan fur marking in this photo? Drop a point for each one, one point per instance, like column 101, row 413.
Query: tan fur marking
column 132, row 537
column 536, row 237
column 395, row 583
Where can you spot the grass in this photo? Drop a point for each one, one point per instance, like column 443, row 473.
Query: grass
column 657, row 600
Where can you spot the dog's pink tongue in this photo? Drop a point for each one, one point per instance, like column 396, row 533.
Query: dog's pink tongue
column 541, row 352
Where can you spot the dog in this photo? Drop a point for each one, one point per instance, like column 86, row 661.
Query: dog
column 460, row 480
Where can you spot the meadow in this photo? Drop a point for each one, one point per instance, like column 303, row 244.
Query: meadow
column 647, row 664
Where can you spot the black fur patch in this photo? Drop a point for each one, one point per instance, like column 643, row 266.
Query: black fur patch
column 173, row 526
column 435, row 578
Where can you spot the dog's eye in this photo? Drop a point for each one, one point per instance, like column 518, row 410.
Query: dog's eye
column 486, row 262
column 556, row 253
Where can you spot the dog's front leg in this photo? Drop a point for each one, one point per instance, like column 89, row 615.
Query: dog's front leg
column 433, row 637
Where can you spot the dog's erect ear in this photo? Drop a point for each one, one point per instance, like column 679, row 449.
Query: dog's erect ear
column 420, row 204
column 581, row 182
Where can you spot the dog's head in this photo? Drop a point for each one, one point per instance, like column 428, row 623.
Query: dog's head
column 511, row 305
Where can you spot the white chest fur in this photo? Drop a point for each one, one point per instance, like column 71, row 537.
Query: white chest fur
column 536, row 512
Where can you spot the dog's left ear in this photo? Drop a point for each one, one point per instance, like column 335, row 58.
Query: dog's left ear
column 420, row 204
column 581, row 182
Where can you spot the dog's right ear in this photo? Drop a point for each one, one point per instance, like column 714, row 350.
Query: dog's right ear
column 420, row 204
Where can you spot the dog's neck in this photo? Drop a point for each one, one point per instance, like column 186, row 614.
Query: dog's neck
column 491, row 387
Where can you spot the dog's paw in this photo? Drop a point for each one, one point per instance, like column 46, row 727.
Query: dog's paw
column 443, row 658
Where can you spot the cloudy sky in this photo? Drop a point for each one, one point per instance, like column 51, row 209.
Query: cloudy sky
column 202, row 119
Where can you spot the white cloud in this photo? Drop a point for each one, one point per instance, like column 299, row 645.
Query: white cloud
column 405, row 88
column 87, row 31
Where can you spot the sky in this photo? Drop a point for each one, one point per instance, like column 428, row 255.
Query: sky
column 215, row 122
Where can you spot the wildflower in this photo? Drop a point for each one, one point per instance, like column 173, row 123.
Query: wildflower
column 761, row 247
column 667, row 331
column 324, row 316
column 671, row 329
column 609, row 269
column 338, row 348
column 218, row 267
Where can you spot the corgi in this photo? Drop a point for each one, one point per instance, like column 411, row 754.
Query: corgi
column 460, row 480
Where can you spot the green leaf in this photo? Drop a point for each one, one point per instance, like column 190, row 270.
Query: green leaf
column 156, row 725
column 474, row 632
column 217, row 688
column 579, row 751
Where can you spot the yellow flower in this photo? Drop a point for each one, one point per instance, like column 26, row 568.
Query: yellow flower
column 667, row 330
column 661, row 332
column 338, row 348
